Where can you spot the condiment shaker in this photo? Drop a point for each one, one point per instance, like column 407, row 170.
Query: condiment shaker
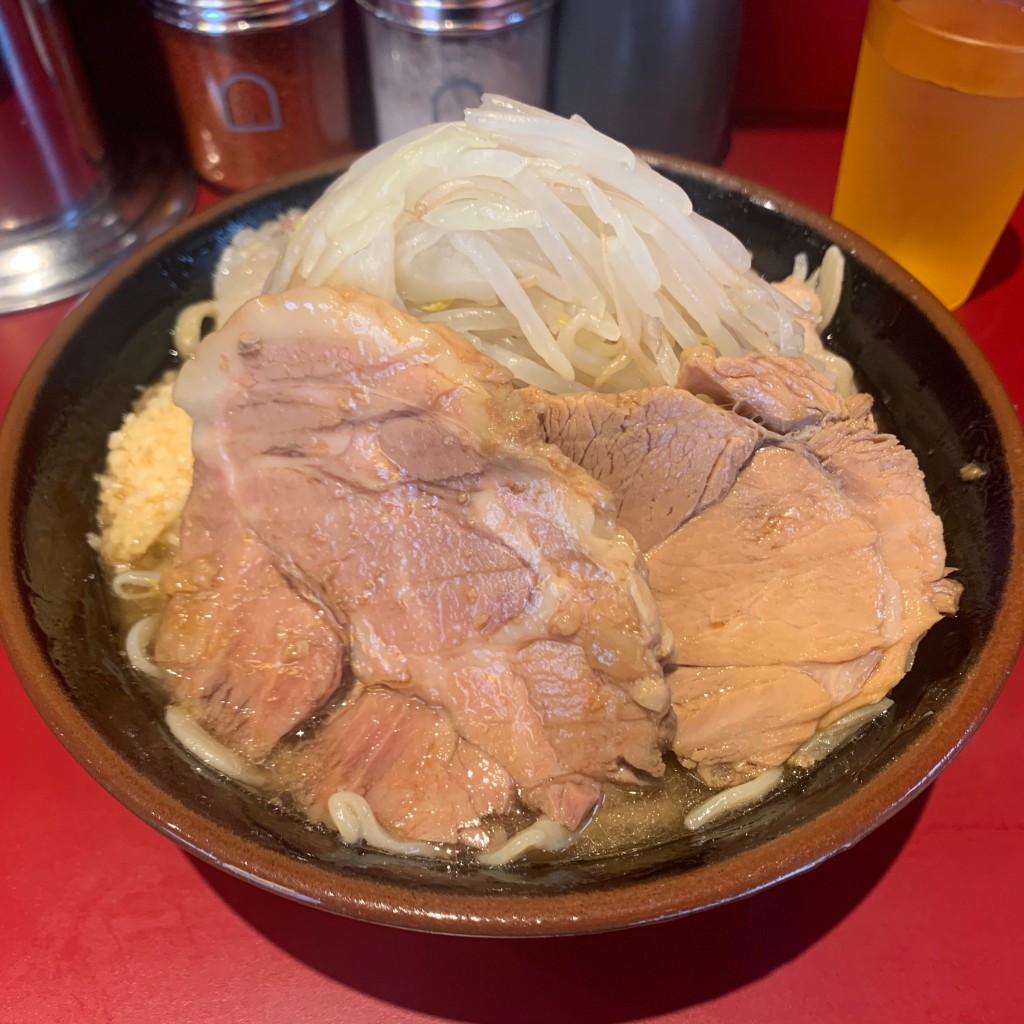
column 431, row 59
column 260, row 84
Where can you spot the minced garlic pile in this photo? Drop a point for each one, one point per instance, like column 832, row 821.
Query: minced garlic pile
column 147, row 477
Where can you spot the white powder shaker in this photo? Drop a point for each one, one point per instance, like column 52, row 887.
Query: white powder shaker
column 430, row 59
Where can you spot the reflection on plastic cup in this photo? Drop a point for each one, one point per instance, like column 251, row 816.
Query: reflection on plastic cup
column 933, row 161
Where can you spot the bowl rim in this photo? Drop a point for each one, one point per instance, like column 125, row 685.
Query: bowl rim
column 600, row 908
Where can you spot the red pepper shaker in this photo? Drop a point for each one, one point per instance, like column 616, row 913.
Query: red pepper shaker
column 260, row 84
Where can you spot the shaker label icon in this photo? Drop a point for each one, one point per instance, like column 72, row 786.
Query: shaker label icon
column 249, row 103
column 451, row 99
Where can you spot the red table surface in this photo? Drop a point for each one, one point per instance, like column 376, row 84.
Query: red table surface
column 102, row 919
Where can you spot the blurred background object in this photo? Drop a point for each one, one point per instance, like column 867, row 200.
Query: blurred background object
column 796, row 62
column 430, row 59
column 261, row 84
column 68, row 211
column 652, row 73
column 933, row 160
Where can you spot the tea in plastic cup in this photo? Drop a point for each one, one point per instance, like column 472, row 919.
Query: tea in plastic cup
column 933, row 159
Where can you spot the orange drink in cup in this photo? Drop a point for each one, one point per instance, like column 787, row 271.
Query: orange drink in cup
column 933, row 160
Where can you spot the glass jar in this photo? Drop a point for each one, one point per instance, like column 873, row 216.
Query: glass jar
column 431, row 59
column 260, row 84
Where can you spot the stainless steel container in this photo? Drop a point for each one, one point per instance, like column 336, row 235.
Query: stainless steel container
column 431, row 59
column 66, row 214
column 652, row 73
column 51, row 158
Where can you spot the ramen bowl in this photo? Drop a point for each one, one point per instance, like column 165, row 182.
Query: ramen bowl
column 932, row 388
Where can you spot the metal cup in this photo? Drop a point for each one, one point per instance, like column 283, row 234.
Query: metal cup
column 65, row 213
column 652, row 73
column 52, row 159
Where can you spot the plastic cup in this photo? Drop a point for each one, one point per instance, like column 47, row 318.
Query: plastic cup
column 933, row 159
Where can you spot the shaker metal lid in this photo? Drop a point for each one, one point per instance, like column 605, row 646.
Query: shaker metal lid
column 219, row 17
column 455, row 16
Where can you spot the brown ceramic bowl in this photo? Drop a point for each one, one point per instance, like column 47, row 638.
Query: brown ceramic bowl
column 933, row 388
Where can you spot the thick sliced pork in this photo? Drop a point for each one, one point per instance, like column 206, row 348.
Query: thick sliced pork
column 247, row 654
column 406, row 760
column 397, row 481
column 663, row 453
column 781, row 392
column 798, row 582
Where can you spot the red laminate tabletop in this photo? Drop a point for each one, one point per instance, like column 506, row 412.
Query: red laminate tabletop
column 102, row 919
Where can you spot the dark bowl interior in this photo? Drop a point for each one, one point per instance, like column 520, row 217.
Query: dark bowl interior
column 932, row 387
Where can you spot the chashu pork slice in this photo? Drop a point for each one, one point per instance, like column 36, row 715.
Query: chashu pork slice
column 798, row 582
column 406, row 760
column 662, row 452
column 783, row 393
column 400, row 484
column 246, row 652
